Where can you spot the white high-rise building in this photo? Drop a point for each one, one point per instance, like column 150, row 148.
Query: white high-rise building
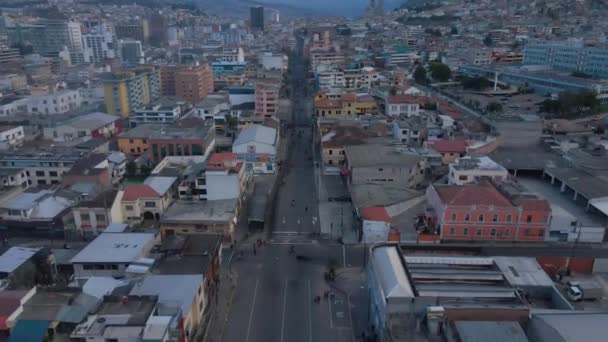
column 99, row 44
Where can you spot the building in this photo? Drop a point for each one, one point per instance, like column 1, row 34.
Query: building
column 333, row 144
column 126, row 91
column 405, row 289
column 164, row 111
column 256, row 18
column 11, row 136
column 12, row 177
column 99, row 169
column 411, row 131
column 131, row 51
column 328, row 107
column 56, row 37
column 326, row 57
column 267, row 98
column 212, row 106
column 137, row 30
column 43, row 167
column 569, row 56
column 193, row 84
column 360, row 78
column 541, row 80
column 59, row 102
column 402, row 105
column 273, row 61
column 158, row 29
column 91, row 216
column 257, row 145
column 99, row 44
column 177, row 141
column 487, row 212
column 201, row 217
column 147, row 201
column 13, row 105
column 9, row 55
column 332, row 78
column 450, row 150
column 566, row 326
column 15, row 264
column 37, row 212
column 473, row 169
column 109, row 254
column 359, row 104
column 85, row 127
column 225, row 177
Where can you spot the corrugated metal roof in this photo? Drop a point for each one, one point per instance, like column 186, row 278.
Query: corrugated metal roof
column 478, row 331
column 29, row 330
column 15, row 257
column 391, row 273
column 523, row 271
column 449, row 260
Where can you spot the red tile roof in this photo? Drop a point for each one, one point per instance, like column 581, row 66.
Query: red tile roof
column 220, row 158
column 137, row 191
column 404, row 99
column 472, row 194
column 533, row 204
column 328, row 103
column 375, row 214
column 442, row 146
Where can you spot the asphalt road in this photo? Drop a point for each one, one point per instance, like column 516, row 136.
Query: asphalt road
column 273, row 300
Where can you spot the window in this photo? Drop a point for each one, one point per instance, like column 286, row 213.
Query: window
column 509, row 218
column 545, row 218
column 479, row 231
column 506, row 232
column 480, row 218
column 100, row 217
column 53, row 173
column 454, row 217
column 493, row 232
column 331, row 152
column 467, row 217
column 452, row 231
column 463, row 178
column 149, row 204
column 465, row 231
column 495, row 218
column 529, row 218
column 13, row 212
column 40, row 174
column 84, row 217
column 128, row 207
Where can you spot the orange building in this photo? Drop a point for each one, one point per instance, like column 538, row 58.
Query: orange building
column 195, row 83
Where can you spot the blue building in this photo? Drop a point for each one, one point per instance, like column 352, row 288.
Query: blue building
column 569, row 56
column 224, row 67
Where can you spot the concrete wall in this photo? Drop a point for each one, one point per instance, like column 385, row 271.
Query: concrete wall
column 222, row 186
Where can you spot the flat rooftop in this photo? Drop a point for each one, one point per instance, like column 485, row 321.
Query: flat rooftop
column 209, row 212
column 114, row 248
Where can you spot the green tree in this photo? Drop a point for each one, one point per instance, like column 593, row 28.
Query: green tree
column 494, row 107
column 231, row 121
column 440, row 72
column 131, row 169
column 420, row 75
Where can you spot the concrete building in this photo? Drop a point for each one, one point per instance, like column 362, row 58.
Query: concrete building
column 147, row 201
column 402, row 105
column 126, row 91
column 474, row 169
column 257, row 145
column 131, row 51
column 267, row 98
column 99, row 44
column 91, row 217
column 14, row 177
column 193, row 84
column 201, row 217
column 11, row 136
column 487, row 212
column 85, row 127
column 569, row 56
column 450, row 150
column 137, row 30
column 42, row 168
column 109, row 254
column 59, row 102
column 405, row 290
column 225, row 177
column 331, row 78
column 411, row 131
column 163, row 111
column 176, row 141
column 273, row 61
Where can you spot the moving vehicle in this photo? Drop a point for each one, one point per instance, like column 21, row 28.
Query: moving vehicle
column 587, row 289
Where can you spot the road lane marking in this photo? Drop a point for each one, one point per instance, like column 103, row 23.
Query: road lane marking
column 255, row 293
column 331, row 320
column 343, row 256
column 283, row 315
column 309, row 313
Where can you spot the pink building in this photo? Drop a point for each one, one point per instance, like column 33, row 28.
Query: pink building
column 487, row 212
column 266, row 98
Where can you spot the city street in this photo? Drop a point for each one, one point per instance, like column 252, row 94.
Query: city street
column 274, row 296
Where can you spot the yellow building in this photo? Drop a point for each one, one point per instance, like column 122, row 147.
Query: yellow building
column 126, row 91
column 358, row 104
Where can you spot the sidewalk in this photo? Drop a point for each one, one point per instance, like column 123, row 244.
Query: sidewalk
column 219, row 307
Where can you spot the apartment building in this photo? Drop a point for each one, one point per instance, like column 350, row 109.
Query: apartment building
column 11, row 135
column 58, row 102
column 126, row 91
column 193, row 84
column 42, row 167
column 267, row 97
column 473, row 169
column 163, row 110
column 487, row 211
column 137, row 30
column 402, row 105
column 569, row 55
